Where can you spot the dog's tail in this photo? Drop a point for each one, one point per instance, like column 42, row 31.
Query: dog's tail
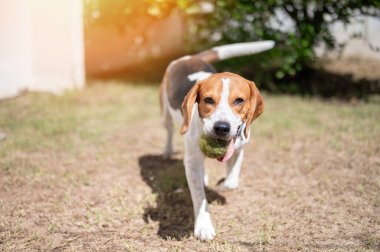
column 234, row 50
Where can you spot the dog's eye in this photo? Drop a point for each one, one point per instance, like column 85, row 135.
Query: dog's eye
column 208, row 100
column 238, row 101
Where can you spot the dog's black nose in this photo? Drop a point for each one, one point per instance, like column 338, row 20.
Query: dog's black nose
column 222, row 128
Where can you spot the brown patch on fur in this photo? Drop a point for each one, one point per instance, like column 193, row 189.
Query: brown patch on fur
column 256, row 106
column 240, row 89
column 187, row 107
column 212, row 87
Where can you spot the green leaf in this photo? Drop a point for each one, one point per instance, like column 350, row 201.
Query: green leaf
column 280, row 74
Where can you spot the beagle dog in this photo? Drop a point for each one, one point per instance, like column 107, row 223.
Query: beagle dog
column 219, row 105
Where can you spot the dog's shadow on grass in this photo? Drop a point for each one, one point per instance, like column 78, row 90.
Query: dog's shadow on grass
column 173, row 209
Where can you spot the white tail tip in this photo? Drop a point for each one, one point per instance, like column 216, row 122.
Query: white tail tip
column 242, row 49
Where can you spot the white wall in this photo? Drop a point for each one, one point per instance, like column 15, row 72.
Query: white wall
column 41, row 46
column 368, row 46
column 15, row 53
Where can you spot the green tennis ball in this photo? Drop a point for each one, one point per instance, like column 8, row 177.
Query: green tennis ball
column 213, row 147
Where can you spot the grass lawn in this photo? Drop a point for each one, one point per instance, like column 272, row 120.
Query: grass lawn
column 83, row 171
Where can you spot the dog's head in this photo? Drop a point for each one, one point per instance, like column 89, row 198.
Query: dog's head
column 225, row 102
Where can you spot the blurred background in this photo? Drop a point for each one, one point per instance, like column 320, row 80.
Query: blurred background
column 326, row 48
column 83, row 171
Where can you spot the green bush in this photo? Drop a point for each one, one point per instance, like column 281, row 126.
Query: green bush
column 235, row 21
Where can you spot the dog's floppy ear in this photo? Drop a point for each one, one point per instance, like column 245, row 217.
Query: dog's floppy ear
column 256, row 107
column 187, row 107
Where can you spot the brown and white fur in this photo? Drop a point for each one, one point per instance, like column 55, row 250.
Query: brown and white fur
column 215, row 104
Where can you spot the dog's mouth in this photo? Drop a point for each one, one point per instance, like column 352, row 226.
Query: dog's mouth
column 229, row 152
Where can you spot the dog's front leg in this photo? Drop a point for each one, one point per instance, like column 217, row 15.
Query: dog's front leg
column 194, row 166
column 233, row 170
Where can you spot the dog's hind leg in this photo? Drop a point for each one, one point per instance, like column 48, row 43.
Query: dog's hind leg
column 168, row 123
column 233, row 170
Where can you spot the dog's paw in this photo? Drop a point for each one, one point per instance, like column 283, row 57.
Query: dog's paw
column 204, row 230
column 230, row 184
column 227, row 184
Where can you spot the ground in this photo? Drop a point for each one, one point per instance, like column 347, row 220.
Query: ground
column 84, row 172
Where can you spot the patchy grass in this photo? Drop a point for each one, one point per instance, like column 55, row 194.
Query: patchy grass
column 83, row 171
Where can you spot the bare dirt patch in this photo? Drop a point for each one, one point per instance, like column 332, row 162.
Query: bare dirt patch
column 83, row 172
